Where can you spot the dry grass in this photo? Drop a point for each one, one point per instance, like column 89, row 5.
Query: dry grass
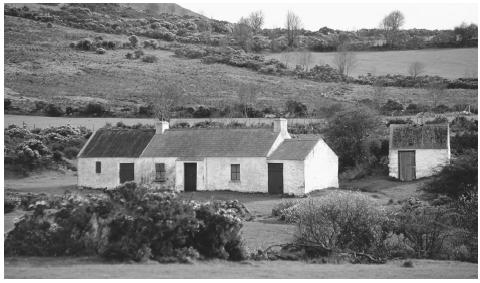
column 94, row 268
column 57, row 73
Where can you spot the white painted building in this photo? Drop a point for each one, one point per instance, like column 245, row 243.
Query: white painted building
column 245, row 160
column 418, row 151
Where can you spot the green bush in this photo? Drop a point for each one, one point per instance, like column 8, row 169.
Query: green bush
column 53, row 110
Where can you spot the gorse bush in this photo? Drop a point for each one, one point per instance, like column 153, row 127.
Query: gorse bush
column 344, row 221
column 458, row 177
column 130, row 222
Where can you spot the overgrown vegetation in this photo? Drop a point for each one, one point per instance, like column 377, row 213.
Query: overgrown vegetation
column 130, row 222
column 351, row 223
column 37, row 149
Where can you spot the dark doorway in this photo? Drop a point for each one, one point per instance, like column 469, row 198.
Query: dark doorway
column 127, row 172
column 275, row 178
column 190, row 177
column 406, row 165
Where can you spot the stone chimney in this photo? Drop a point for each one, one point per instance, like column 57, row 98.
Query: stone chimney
column 161, row 127
column 280, row 125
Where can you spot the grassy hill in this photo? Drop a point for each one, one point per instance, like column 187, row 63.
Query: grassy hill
column 159, row 8
column 40, row 64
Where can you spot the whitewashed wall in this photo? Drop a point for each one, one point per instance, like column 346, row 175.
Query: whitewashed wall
column 321, row 168
column 428, row 161
column 146, row 167
column 179, row 173
column 253, row 174
column 110, row 173
column 293, row 176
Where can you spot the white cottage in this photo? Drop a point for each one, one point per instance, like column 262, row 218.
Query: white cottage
column 246, row 160
column 418, row 151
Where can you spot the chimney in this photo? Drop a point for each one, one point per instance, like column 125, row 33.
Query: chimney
column 280, row 125
column 161, row 127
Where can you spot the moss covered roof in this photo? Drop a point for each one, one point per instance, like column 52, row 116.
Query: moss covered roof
column 406, row 136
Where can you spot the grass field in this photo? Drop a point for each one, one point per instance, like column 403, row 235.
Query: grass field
column 40, row 65
column 94, row 268
column 448, row 63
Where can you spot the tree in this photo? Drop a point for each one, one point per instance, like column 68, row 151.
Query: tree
column 437, row 91
column 304, row 58
column 256, row 20
column 247, row 95
column 391, row 24
column 347, row 133
column 344, row 60
column 466, row 32
column 164, row 100
column 293, row 25
column 242, row 32
column 416, row 68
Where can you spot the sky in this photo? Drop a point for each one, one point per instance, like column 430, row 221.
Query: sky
column 343, row 15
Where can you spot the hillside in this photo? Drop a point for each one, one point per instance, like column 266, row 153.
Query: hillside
column 40, row 65
column 160, row 8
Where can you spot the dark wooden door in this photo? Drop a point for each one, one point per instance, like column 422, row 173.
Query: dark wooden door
column 127, row 172
column 275, row 178
column 190, row 177
column 406, row 165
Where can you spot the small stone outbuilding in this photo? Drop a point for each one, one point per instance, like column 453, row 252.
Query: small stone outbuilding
column 417, row 151
column 245, row 160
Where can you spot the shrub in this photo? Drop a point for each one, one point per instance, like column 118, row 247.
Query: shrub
column 457, row 178
column 100, row 51
column 84, row 44
column 150, row 59
column 129, row 222
column 53, row 110
column 138, row 53
column 7, row 103
column 344, row 221
column 297, row 108
column 71, row 152
column 460, row 143
column 129, row 55
column 95, row 109
column 424, row 227
column 391, row 106
column 133, row 40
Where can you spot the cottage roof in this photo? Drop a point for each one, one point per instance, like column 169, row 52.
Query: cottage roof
column 117, row 143
column 294, row 149
column 211, row 143
column 430, row 136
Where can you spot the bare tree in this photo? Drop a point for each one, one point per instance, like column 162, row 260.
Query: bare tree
column 293, row 25
column 379, row 93
column 256, row 20
column 344, row 60
column 242, row 32
column 391, row 24
column 164, row 100
column 247, row 95
column 437, row 91
column 416, row 68
column 304, row 58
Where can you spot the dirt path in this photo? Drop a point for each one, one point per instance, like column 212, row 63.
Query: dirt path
column 94, row 268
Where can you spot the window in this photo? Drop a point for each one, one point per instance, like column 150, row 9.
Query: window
column 235, row 175
column 98, row 167
column 160, row 172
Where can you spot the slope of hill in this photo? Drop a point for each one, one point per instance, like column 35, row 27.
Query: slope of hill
column 159, row 8
column 39, row 64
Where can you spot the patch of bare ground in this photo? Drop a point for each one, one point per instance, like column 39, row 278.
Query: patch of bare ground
column 28, row 267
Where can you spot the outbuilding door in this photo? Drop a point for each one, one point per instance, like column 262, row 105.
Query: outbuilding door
column 126, row 172
column 406, row 165
column 190, row 174
column 275, row 178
